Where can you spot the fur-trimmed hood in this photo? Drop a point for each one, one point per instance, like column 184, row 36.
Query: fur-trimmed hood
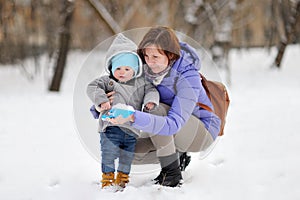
column 121, row 44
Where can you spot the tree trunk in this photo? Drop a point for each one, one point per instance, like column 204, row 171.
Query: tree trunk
column 290, row 36
column 64, row 43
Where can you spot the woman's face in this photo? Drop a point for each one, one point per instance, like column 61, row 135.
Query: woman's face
column 156, row 61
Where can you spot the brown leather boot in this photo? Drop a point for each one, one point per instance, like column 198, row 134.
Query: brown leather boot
column 122, row 179
column 108, row 179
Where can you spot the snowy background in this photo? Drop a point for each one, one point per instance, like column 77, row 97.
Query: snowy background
column 42, row 156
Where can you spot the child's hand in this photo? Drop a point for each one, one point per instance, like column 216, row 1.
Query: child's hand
column 149, row 106
column 105, row 106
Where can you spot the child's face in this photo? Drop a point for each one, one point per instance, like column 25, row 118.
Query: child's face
column 123, row 73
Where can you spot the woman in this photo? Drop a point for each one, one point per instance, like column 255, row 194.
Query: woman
column 178, row 124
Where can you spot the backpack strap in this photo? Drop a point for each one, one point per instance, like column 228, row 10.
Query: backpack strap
column 204, row 106
column 203, row 81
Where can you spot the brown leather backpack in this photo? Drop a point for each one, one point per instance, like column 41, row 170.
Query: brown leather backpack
column 218, row 95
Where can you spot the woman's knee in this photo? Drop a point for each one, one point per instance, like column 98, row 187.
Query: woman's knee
column 193, row 137
column 201, row 142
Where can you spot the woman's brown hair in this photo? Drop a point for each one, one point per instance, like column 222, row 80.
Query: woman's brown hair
column 165, row 40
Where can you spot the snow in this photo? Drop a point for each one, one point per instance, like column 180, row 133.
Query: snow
column 44, row 157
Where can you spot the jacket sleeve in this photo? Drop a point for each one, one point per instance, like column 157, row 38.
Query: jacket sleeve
column 151, row 93
column 96, row 90
column 187, row 92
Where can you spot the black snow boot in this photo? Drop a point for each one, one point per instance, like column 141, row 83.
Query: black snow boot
column 170, row 174
column 185, row 160
column 158, row 179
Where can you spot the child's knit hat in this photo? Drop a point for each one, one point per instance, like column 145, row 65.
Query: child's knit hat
column 125, row 59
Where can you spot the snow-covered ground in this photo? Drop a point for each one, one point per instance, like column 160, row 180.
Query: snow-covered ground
column 42, row 156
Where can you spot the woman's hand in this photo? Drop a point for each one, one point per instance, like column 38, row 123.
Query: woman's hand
column 110, row 96
column 149, row 106
column 121, row 120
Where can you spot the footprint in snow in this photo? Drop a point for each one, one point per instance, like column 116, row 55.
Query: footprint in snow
column 217, row 162
column 54, row 184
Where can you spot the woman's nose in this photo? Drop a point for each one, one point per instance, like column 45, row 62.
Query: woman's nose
column 149, row 59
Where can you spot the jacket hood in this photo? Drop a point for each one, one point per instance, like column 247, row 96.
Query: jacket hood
column 189, row 59
column 122, row 44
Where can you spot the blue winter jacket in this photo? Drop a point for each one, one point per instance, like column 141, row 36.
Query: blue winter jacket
column 181, row 89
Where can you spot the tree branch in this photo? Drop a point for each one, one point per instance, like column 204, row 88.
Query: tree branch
column 104, row 14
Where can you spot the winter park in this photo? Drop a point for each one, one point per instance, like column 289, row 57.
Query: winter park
column 49, row 144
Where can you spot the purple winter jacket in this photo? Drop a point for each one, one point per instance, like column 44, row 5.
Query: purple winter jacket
column 181, row 89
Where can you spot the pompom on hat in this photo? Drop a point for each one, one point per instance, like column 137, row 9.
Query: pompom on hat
column 125, row 59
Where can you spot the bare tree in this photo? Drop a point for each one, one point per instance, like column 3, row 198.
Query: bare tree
column 222, row 37
column 217, row 18
column 64, row 43
column 290, row 30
